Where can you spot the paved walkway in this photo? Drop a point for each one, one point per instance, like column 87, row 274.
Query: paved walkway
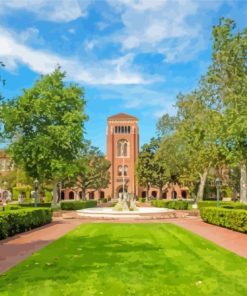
column 14, row 250
column 231, row 240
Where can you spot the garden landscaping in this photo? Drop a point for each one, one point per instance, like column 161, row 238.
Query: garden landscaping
column 128, row 259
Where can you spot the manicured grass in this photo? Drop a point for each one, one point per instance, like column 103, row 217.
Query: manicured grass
column 128, row 259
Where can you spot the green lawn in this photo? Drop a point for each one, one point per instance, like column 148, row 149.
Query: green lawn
column 128, row 259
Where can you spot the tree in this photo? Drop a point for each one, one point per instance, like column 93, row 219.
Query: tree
column 2, row 82
column 144, row 168
column 15, row 177
column 228, row 76
column 199, row 128
column 45, row 126
column 92, row 170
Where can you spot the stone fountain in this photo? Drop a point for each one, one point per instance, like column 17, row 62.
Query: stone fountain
column 126, row 202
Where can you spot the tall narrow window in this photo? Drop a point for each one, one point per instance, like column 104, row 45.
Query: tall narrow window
column 122, row 148
column 125, row 170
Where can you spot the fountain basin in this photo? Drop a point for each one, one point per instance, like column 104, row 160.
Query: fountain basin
column 141, row 213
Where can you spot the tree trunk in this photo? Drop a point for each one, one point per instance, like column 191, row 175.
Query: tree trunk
column 83, row 193
column 243, row 182
column 54, row 193
column 147, row 195
column 203, row 179
column 160, row 193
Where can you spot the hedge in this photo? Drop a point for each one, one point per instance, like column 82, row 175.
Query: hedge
column 39, row 204
column 171, row 204
column 10, row 207
column 18, row 190
column 223, row 204
column 77, row 204
column 17, row 221
column 229, row 218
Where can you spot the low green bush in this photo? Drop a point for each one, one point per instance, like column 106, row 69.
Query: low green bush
column 39, row 205
column 141, row 199
column 77, row 204
column 11, row 207
column 223, row 204
column 230, row 218
column 171, row 204
column 17, row 221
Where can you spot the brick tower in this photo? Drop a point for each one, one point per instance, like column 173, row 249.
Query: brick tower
column 122, row 152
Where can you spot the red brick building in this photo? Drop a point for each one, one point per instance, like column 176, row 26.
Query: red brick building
column 122, row 141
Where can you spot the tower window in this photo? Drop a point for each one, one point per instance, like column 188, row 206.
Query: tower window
column 122, row 170
column 122, row 148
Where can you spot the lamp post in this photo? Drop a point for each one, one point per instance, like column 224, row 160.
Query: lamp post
column 218, row 184
column 36, row 185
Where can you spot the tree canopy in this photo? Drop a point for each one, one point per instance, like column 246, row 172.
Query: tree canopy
column 45, row 126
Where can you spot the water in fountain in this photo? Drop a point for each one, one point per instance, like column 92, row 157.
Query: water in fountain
column 126, row 202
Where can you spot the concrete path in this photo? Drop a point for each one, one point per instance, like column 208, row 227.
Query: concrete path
column 15, row 249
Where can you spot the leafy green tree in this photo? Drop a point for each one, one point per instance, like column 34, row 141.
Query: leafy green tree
column 228, row 76
column 92, row 170
column 2, row 82
column 45, row 126
column 16, row 177
column 144, row 167
column 199, row 128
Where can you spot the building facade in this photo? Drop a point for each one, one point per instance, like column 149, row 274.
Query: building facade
column 122, row 148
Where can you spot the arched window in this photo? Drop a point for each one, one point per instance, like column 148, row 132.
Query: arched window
column 71, row 195
column 122, row 170
column 184, row 194
column 154, row 194
column 174, row 194
column 119, row 170
column 122, row 148
column 125, row 170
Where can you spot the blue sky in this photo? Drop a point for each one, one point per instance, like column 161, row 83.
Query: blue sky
column 131, row 56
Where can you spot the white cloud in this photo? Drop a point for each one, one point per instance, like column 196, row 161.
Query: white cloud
column 168, row 27
column 51, row 10
column 118, row 71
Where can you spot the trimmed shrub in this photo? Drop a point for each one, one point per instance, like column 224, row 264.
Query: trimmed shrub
column 77, row 204
column 39, row 205
column 11, row 207
column 226, row 204
column 17, row 221
column 171, row 204
column 230, row 218
column 141, row 199
column 18, row 190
